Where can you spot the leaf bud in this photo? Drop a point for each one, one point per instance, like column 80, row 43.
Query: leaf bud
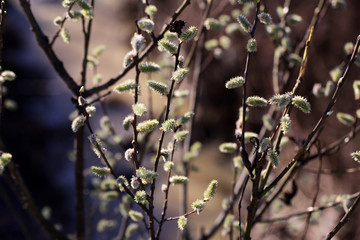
column 182, row 223
column 147, row 126
column 211, row 190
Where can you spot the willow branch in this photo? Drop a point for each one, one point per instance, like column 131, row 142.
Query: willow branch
column 152, row 46
column 321, row 120
column 87, row 35
column 310, row 209
column 317, row 190
column 344, row 219
column 30, row 205
column 79, row 184
column 43, row 42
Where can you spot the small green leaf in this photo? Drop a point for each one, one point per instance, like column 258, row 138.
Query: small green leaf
column 211, row 190
column 147, row 126
column 168, row 125
column 178, row 179
column 188, row 34
column 228, row 147
column 184, row 118
column 293, row 19
column 341, row 4
column 345, row 118
column 182, row 223
column 235, row 82
column 212, row 24
column 98, row 50
column 158, row 87
column 139, row 109
column 65, row 35
column 249, row 135
column 100, row 171
column 140, row 197
column 129, row 154
column 151, row 10
column 125, row 86
column 57, row 21
column 180, row 74
column 265, row 144
column 232, row 28
column 294, row 58
column 8, row 75
column 251, row 45
column 274, row 158
column 129, row 59
column 136, row 216
column 109, row 195
column 146, row 176
column 168, row 166
column 356, row 88
column 91, row 110
column 106, row 224
column 285, row 123
column 171, row 36
column 211, row 44
column 244, row 23
column 121, row 180
column 256, row 101
column 146, row 25
column 166, row 45
column 148, row 67
column 127, row 122
column 77, row 123
column 265, row 18
column 84, row 5
column 198, row 205
column 225, row 42
column 67, row 3
column 136, row 42
column 356, row 156
column 336, row 73
column 180, row 136
column 302, row 104
column 5, row 158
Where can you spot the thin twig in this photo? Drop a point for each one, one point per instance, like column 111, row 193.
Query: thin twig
column 300, row 153
column 151, row 47
column 10, row 205
column 62, row 23
column 30, row 205
column 79, row 184
column 245, row 157
column 333, row 171
column 184, row 215
column 87, row 35
column 344, row 219
column 311, row 209
column 2, row 20
column 43, row 42
column 274, row 196
column 196, row 51
column 167, row 111
column 166, row 199
column 123, row 226
column 134, row 122
column 317, row 189
column 336, row 145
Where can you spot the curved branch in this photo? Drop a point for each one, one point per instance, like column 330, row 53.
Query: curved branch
column 43, row 42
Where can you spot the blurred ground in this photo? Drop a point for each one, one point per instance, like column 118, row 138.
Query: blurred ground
column 40, row 146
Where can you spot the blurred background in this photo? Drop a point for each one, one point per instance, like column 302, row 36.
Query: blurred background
column 35, row 126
